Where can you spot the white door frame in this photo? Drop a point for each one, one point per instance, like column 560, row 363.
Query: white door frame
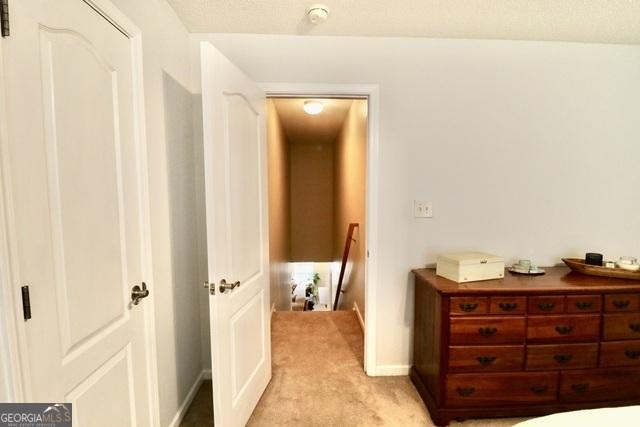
column 370, row 92
column 12, row 327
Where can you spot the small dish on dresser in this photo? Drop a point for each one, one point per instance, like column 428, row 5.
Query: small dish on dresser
column 528, row 272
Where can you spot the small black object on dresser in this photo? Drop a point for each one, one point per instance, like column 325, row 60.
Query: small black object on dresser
column 591, row 258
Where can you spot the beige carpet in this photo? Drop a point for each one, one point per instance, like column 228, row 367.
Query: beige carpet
column 318, row 380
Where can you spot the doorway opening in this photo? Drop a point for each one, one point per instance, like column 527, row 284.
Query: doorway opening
column 317, row 158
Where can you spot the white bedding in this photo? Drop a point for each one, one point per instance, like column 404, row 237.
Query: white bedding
column 625, row 416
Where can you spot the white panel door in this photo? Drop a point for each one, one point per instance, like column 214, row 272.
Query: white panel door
column 235, row 183
column 74, row 163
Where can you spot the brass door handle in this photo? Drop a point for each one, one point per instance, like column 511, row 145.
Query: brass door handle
column 632, row 354
column 564, row 330
column 137, row 293
column 468, row 307
column 539, row 389
column 563, row 358
column 465, row 391
column 546, row 306
column 508, row 306
column 487, row 331
column 635, row 327
column 583, row 305
column 580, row 388
column 620, row 304
column 224, row 286
column 485, row 360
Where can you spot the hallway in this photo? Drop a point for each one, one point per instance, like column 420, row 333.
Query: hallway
column 318, row 379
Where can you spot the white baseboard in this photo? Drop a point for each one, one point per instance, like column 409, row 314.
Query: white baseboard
column 206, row 374
column 359, row 315
column 391, row 370
column 273, row 308
column 184, row 407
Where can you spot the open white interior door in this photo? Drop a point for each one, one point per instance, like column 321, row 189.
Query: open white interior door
column 235, row 184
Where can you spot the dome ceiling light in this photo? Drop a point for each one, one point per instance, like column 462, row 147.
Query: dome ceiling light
column 313, row 107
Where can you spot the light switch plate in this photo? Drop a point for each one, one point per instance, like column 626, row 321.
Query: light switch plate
column 422, row 209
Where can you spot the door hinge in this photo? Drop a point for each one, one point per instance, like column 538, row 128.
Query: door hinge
column 4, row 17
column 26, row 303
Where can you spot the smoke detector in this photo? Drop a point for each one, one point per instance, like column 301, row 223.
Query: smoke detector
column 317, row 13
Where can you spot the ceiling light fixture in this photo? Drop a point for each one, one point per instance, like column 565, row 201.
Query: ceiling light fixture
column 317, row 13
column 313, row 107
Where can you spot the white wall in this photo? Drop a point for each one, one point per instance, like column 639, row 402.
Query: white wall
column 526, row 149
column 170, row 135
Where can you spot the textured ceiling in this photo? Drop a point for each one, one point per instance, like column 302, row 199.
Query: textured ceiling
column 302, row 128
column 605, row 21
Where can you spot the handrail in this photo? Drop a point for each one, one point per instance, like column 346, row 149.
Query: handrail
column 345, row 258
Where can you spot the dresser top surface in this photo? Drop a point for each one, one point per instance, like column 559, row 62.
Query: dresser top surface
column 556, row 280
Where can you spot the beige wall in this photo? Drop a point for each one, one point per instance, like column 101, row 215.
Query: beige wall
column 349, row 201
column 279, row 216
column 311, row 167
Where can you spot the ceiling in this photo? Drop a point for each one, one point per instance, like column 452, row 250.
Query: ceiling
column 303, row 128
column 604, row 21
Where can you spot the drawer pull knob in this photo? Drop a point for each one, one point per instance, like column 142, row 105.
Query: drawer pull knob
column 564, row 330
column 546, row 306
column 486, row 360
column 621, row 303
column 468, row 307
column 487, row 332
column 580, row 388
column 635, row 327
column 508, row 306
column 539, row 389
column 465, row 391
column 563, row 358
column 632, row 354
column 584, row 305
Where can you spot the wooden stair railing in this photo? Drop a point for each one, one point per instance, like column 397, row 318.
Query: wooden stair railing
column 345, row 258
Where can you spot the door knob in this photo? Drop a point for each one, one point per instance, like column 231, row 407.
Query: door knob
column 224, row 286
column 137, row 293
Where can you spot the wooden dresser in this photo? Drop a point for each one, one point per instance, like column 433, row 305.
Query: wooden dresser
column 523, row 345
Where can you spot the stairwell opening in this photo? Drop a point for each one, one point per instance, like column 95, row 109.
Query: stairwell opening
column 317, row 178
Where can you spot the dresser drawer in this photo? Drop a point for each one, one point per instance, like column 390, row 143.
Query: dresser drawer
column 546, row 304
column 562, row 356
column 621, row 327
column 620, row 353
column 621, row 303
column 564, row 328
column 584, row 303
column 469, row 305
column 500, row 389
column 487, row 330
column 507, row 305
column 486, row 358
column 594, row 385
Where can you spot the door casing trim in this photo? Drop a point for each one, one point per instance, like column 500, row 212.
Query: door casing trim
column 371, row 93
column 14, row 326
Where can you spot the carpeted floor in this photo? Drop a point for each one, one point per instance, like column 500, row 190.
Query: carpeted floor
column 318, row 380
